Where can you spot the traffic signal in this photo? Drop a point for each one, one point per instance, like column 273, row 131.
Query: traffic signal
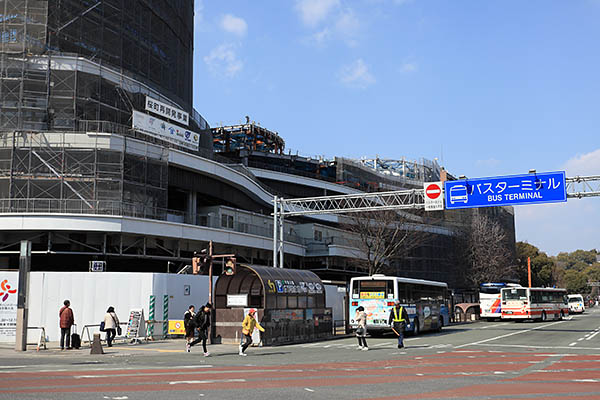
column 200, row 263
column 229, row 266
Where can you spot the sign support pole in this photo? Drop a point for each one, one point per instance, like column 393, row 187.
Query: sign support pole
column 529, row 270
column 22, row 296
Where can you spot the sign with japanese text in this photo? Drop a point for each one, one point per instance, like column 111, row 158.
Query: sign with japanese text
column 9, row 282
column 434, row 198
column 372, row 295
column 167, row 111
column 535, row 188
column 164, row 130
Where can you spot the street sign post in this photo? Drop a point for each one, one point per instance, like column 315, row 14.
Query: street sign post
column 434, row 199
column 534, row 188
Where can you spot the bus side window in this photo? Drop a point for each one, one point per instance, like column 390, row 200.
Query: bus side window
column 402, row 292
column 390, row 290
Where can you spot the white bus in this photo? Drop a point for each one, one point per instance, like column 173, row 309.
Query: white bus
column 576, row 303
column 522, row 303
column 425, row 302
column 489, row 299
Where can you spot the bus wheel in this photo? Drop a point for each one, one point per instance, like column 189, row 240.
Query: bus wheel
column 562, row 314
column 440, row 324
column 415, row 327
column 543, row 315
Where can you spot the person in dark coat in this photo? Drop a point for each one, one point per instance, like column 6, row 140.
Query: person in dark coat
column 202, row 322
column 67, row 320
column 398, row 320
column 190, row 327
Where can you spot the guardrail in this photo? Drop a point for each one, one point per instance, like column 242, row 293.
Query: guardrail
column 42, row 340
column 86, row 329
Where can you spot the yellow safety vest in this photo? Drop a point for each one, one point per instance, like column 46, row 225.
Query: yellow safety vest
column 396, row 317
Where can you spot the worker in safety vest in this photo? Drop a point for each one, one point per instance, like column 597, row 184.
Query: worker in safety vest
column 398, row 320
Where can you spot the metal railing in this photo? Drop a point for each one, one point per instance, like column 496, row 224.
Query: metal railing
column 86, row 329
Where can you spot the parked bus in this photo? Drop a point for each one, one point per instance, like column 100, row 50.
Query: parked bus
column 425, row 302
column 534, row 303
column 489, row 299
column 576, row 303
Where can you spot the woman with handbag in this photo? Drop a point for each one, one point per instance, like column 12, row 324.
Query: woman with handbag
column 111, row 325
column 361, row 331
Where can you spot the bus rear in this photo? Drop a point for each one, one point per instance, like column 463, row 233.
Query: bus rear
column 376, row 295
column 515, row 303
column 490, row 302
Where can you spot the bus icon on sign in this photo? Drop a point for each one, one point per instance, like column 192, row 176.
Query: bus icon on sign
column 458, row 194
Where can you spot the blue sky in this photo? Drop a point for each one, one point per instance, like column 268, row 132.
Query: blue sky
column 487, row 87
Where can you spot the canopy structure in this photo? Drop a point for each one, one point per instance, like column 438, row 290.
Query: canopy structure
column 290, row 304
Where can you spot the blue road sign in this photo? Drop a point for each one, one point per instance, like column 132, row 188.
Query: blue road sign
column 546, row 187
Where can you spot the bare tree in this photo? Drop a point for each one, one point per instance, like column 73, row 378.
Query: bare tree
column 380, row 236
column 486, row 250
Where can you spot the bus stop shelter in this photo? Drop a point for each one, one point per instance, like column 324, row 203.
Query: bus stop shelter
column 290, row 304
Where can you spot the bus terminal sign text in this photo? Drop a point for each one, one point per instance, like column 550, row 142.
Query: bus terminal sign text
column 546, row 187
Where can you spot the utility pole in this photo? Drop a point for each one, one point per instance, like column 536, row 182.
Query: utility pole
column 529, row 270
column 210, row 272
column 22, row 296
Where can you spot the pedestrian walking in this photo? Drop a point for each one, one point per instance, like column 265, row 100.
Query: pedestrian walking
column 248, row 326
column 202, row 323
column 67, row 320
column 398, row 320
column 190, row 326
column 111, row 325
column 361, row 331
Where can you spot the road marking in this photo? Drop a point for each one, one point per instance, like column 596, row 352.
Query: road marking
column 594, row 334
column 214, row 381
column 523, row 346
column 491, row 326
column 308, row 390
column 507, row 335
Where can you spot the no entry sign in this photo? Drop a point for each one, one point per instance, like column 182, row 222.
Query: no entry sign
column 433, row 196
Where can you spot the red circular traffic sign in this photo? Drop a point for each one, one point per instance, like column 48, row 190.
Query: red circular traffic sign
column 433, row 191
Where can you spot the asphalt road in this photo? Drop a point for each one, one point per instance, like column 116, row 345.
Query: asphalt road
column 483, row 360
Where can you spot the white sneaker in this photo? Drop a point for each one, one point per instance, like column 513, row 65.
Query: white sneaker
column 206, row 354
column 243, row 354
column 365, row 349
column 188, row 347
column 359, row 348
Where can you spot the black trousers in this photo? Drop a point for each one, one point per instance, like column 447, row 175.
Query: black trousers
column 110, row 335
column 65, row 332
column 362, row 341
column 201, row 338
column 246, row 341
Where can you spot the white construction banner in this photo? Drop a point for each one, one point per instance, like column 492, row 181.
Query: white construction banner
column 9, row 283
column 167, row 111
column 164, row 130
column 434, row 199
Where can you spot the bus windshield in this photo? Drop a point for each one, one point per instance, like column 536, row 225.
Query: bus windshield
column 575, row 299
column 514, row 294
column 373, row 289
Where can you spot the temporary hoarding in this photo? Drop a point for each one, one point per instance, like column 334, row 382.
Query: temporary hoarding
column 167, row 111
column 534, row 188
column 164, row 130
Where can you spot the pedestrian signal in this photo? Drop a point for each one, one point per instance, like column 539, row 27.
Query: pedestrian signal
column 229, row 266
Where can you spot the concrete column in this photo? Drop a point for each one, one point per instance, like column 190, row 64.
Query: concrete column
column 191, row 208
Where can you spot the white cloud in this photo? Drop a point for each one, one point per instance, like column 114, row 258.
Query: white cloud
column 409, row 67
column 233, row 24
column 347, row 26
column 223, row 61
column 584, row 164
column 312, row 12
column 356, row 75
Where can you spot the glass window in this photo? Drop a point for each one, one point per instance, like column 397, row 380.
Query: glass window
column 301, row 301
column 311, row 302
column 292, row 302
column 281, row 302
column 377, row 289
column 514, row 294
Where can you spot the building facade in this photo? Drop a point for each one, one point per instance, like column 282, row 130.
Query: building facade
column 103, row 157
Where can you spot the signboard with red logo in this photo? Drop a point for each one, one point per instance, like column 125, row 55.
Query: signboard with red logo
column 434, row 198
column 9, row 282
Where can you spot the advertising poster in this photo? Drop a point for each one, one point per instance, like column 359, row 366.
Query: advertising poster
column 9, row 282
column 164, row 130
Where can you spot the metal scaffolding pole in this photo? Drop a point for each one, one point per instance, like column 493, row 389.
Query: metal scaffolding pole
column 275, row 231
